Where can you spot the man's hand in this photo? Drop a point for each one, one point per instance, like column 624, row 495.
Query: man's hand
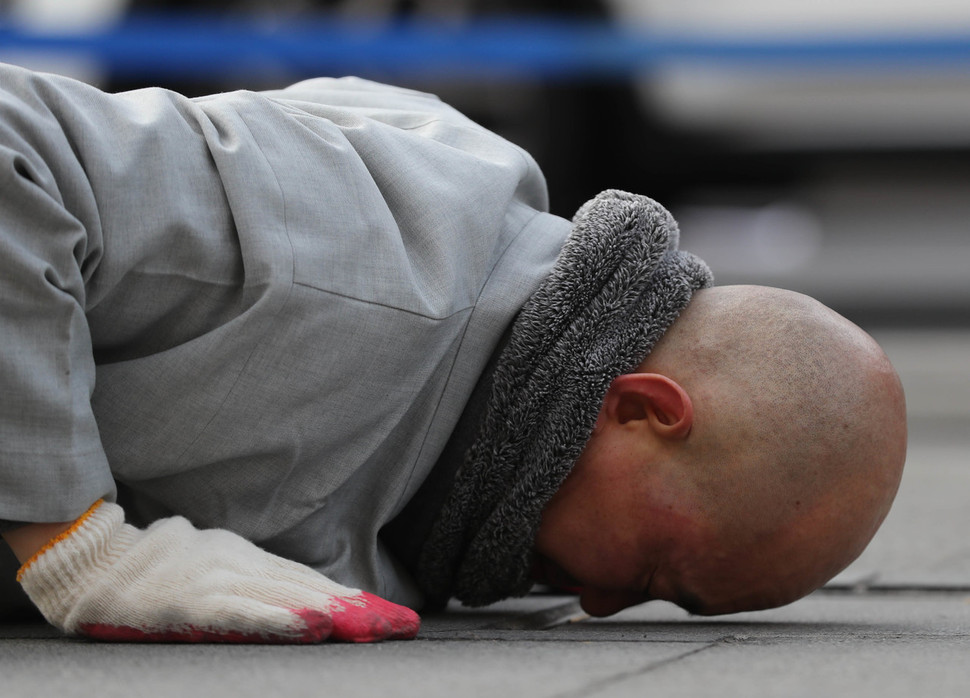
column 174, row 583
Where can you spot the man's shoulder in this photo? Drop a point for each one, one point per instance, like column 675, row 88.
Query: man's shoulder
column 360, row 93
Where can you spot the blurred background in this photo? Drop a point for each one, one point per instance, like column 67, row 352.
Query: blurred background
column 821, row 147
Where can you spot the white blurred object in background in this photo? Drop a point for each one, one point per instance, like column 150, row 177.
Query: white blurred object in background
column 776, row 18
column 53, row 15
column 907, row 100
column 56, row 16
column 780, row 238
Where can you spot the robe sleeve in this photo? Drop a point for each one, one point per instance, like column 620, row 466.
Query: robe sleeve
column 52, row 464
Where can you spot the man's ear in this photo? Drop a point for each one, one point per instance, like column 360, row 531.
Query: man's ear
column 651, row 399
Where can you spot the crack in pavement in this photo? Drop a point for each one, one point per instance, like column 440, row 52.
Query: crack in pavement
column 590, row 688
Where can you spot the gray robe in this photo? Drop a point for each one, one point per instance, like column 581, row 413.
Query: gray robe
column 263, row 311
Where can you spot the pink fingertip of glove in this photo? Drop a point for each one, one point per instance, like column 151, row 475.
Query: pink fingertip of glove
column 405, row 623
column 317, row 628
column 369, row 618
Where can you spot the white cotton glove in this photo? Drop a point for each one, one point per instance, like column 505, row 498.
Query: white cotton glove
column 172, row 582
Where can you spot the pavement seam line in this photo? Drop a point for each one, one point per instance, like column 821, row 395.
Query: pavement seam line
column 590, row 688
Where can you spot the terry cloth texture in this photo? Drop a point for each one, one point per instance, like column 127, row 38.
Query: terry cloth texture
column 616, row 287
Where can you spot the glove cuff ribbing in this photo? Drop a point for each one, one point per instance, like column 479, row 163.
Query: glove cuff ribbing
column 68, row 563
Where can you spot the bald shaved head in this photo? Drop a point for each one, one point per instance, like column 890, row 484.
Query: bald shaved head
column 798, row 441
column 748, row 460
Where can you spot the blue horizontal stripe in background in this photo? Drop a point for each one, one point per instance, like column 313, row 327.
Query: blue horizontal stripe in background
column 172, row 46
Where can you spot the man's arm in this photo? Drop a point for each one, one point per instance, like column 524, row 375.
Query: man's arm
column 97, row 575
column 27, row 540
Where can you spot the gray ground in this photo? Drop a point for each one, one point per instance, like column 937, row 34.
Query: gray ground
column 896, row 623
